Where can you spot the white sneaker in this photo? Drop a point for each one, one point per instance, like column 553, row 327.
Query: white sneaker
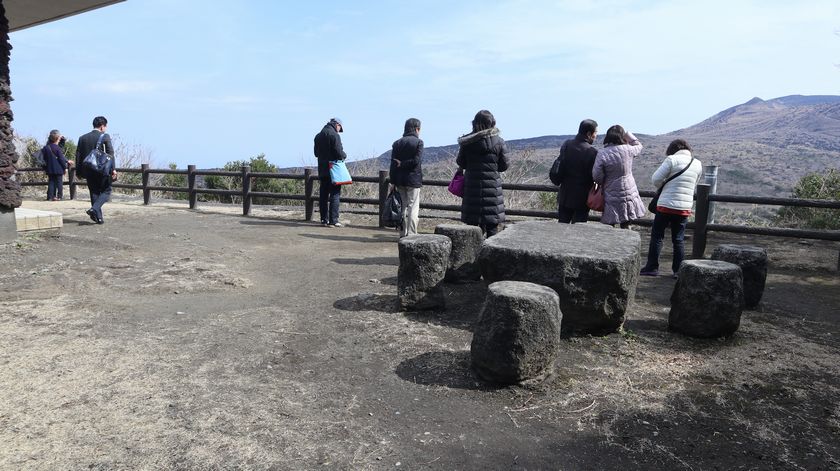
column 338, row 224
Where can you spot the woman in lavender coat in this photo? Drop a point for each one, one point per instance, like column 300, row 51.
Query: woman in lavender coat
column 613, row 170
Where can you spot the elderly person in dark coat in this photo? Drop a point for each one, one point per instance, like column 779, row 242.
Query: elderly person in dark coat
column 55, row 165
column 482, row 155
column 406, row 174
column 577, row 157
column 328, row 148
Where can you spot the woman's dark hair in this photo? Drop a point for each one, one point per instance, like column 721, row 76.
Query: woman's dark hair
column 411, row 125
column 677, row 145
column 99, row 121
column 483, row 120
column 587, row 126
column 615, row 136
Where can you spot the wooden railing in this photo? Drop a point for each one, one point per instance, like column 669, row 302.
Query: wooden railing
column 700, row 227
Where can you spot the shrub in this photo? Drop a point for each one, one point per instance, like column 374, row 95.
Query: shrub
column 174, row 180
column 262, row 184
column 825, row 185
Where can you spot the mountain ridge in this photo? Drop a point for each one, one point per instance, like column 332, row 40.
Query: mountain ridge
column 762, row 146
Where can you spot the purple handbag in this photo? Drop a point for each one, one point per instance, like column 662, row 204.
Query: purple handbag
column 456, row 186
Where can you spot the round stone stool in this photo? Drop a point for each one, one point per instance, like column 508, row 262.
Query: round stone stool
column 517, row 335
column 753, row 263
column 708, row 299
column 423, row 262
column 466, row 243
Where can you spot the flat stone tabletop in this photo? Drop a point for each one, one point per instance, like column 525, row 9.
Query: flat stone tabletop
column 590, row 240
column 592, row 267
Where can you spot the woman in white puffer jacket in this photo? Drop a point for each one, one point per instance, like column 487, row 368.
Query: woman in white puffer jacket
column 674, row 206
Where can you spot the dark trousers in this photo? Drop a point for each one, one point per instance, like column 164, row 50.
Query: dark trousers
column 100, row 193
column 657, row 234
column 55, row 187
column 569, row 215
column 328, row 199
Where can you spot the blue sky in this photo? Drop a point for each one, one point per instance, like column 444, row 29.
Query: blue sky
column 206, row 82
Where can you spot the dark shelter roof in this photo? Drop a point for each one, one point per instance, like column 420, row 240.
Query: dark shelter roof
column 25, row 13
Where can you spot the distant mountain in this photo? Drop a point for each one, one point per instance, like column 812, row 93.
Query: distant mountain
column 796, row 120
column 762, row 146
column 432, row 155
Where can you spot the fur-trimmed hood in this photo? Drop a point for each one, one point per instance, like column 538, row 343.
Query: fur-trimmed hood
column 477, row 136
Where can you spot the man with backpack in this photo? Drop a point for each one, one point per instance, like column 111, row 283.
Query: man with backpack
column 573, row 172
column 99, row 184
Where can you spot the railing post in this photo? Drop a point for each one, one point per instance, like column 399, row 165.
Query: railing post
column 246, row 190
column 308, row 202
column 191, row 185
column 147, row 193
column 710, row 176
column 71, row 180
column 383, row 194
column 701, row 218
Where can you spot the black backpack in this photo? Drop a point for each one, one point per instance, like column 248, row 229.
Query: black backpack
column 556, row 172
column 40, row 159
column 392, row 211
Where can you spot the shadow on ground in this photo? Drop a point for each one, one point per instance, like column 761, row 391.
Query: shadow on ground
column 448, row 369
column 391, row 261
column 463, row 307
column 376, row 239
column 377, row 302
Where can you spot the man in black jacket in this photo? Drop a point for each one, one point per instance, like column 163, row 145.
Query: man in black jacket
column 327, row 149
column 577, row 156
column 406, row 174
column 98, row 186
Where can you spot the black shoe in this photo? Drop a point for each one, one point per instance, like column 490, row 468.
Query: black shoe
column 100, row 221
column 92, row 214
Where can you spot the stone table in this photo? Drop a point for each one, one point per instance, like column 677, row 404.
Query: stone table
column 592, row 267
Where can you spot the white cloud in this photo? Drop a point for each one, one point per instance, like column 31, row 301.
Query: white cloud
column 122, row 87
column 599, row 36
column 227, row 100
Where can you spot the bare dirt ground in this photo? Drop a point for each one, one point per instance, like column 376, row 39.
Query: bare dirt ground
column 177, row 339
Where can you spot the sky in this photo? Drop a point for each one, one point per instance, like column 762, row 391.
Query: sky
column 207, row 82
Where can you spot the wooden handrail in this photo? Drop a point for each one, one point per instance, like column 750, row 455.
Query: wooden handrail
column 700, row 226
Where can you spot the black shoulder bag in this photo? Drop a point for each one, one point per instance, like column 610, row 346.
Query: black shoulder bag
column 97, row 162
column 655, row 201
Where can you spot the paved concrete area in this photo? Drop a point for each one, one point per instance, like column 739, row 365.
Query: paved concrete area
column 29, row 219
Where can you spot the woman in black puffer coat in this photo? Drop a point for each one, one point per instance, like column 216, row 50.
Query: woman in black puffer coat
column 482, row 156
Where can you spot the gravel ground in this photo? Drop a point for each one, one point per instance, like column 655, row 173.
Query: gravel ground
column 176, row 339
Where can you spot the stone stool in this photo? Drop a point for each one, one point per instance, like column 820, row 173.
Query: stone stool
column 466, row 242
column 518, row 332
column 423, row 262
column 708, row 299
column 753, row 263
